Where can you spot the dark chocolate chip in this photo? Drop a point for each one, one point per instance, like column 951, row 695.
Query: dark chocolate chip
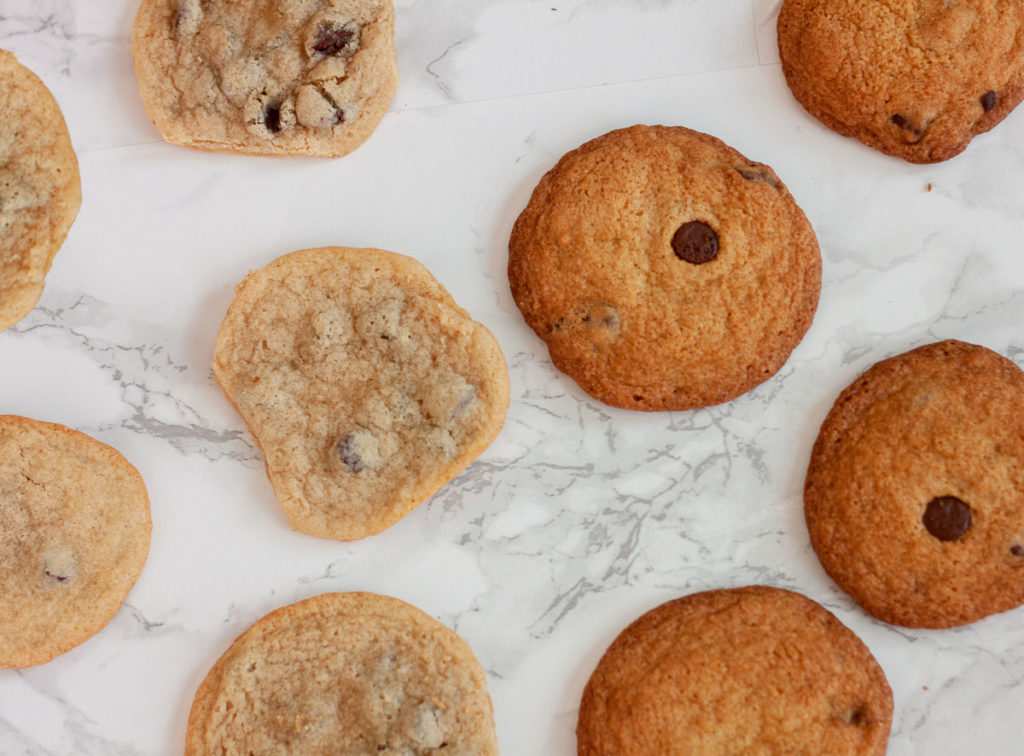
column 947, row 518
column 695, row 242
column 900, row 121
column 349, row 457
column 331, row 40
column 272, row 119
column 1017, row 550
column 339, row 117
column 858, row 717
column 757, row 173
column 58, row 578
column 989, row 100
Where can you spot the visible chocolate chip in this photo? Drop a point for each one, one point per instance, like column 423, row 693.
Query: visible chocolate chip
column 58, row 578
column 331, row 40
column 758, row 173
column 339, row 117
column 947, row 518
column 989, row 100
column 272, row 119
column 349, row 457
column 911, row 132
column 1017, row 550
column 858, row 717
column 695, row 242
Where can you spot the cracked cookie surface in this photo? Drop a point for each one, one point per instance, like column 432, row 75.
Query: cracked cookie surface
column 914, row 497
column 917, row 79
column 287, row 77
column 364, row 383
column 747, row 670
column 663, row 269
column 345, row 673
column 74, row 535
column 40, row 188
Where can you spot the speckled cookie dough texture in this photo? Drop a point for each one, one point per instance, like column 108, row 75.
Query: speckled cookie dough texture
column 664, row 270
column 344, row 673
column 74, row 535
column 266, row 77
column 915, row 492
column 40, row 189
column 748, row 670
column 367, row 387
column 917, row 79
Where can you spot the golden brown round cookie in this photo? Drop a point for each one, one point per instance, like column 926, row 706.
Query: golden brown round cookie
column 40, row 189
column 748, row 670
column 74, row 535
column 267, row 77
column 364, row 383
column 914, row 496
column 663, row 269
column 913, row 78
column 344, row 673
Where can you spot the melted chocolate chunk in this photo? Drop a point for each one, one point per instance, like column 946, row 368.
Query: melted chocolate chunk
column 331, row 40
column 912, row 133
column 272, row 119
column 858, row 717
column 339, row 117
column 1017, row 550
column 989, row 100
column 695, row 242
column 349, row 457
column 947, row 518
column 758, row 173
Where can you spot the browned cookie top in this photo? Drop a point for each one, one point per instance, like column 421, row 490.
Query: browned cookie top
column 749, row 670
column 915, row 492
column 74, row 535
column 664, row 269
column 270, row 77
column 913, row 78
column 364, row 383
column 344, row 673
column 40, row 190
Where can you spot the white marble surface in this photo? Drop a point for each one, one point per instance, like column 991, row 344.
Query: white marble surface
column 579, row 517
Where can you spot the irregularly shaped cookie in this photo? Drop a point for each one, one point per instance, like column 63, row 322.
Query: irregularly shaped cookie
column 344, row 673
column 913, row 78
column 40, row 190
column 663, row 269
column 74, row 534
column 268, row 77
column 915, row 493
column 749, row 670
column 367, row 387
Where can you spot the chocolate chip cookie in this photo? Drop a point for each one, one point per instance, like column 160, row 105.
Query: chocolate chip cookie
column 915, row 78
column 40, row 189
column 268, row 77
column 367, row 387
column 915, row 493
column 748, row 670
column 74, row 535
column 352, row 673
column 663, row 269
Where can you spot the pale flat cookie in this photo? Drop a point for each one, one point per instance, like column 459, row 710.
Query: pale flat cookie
column 74, row 535
column 367, row 387
column 344, row 673
column 40, row 190
column 267, row 77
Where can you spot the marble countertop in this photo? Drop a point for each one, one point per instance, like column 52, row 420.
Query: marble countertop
column 579, row 517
